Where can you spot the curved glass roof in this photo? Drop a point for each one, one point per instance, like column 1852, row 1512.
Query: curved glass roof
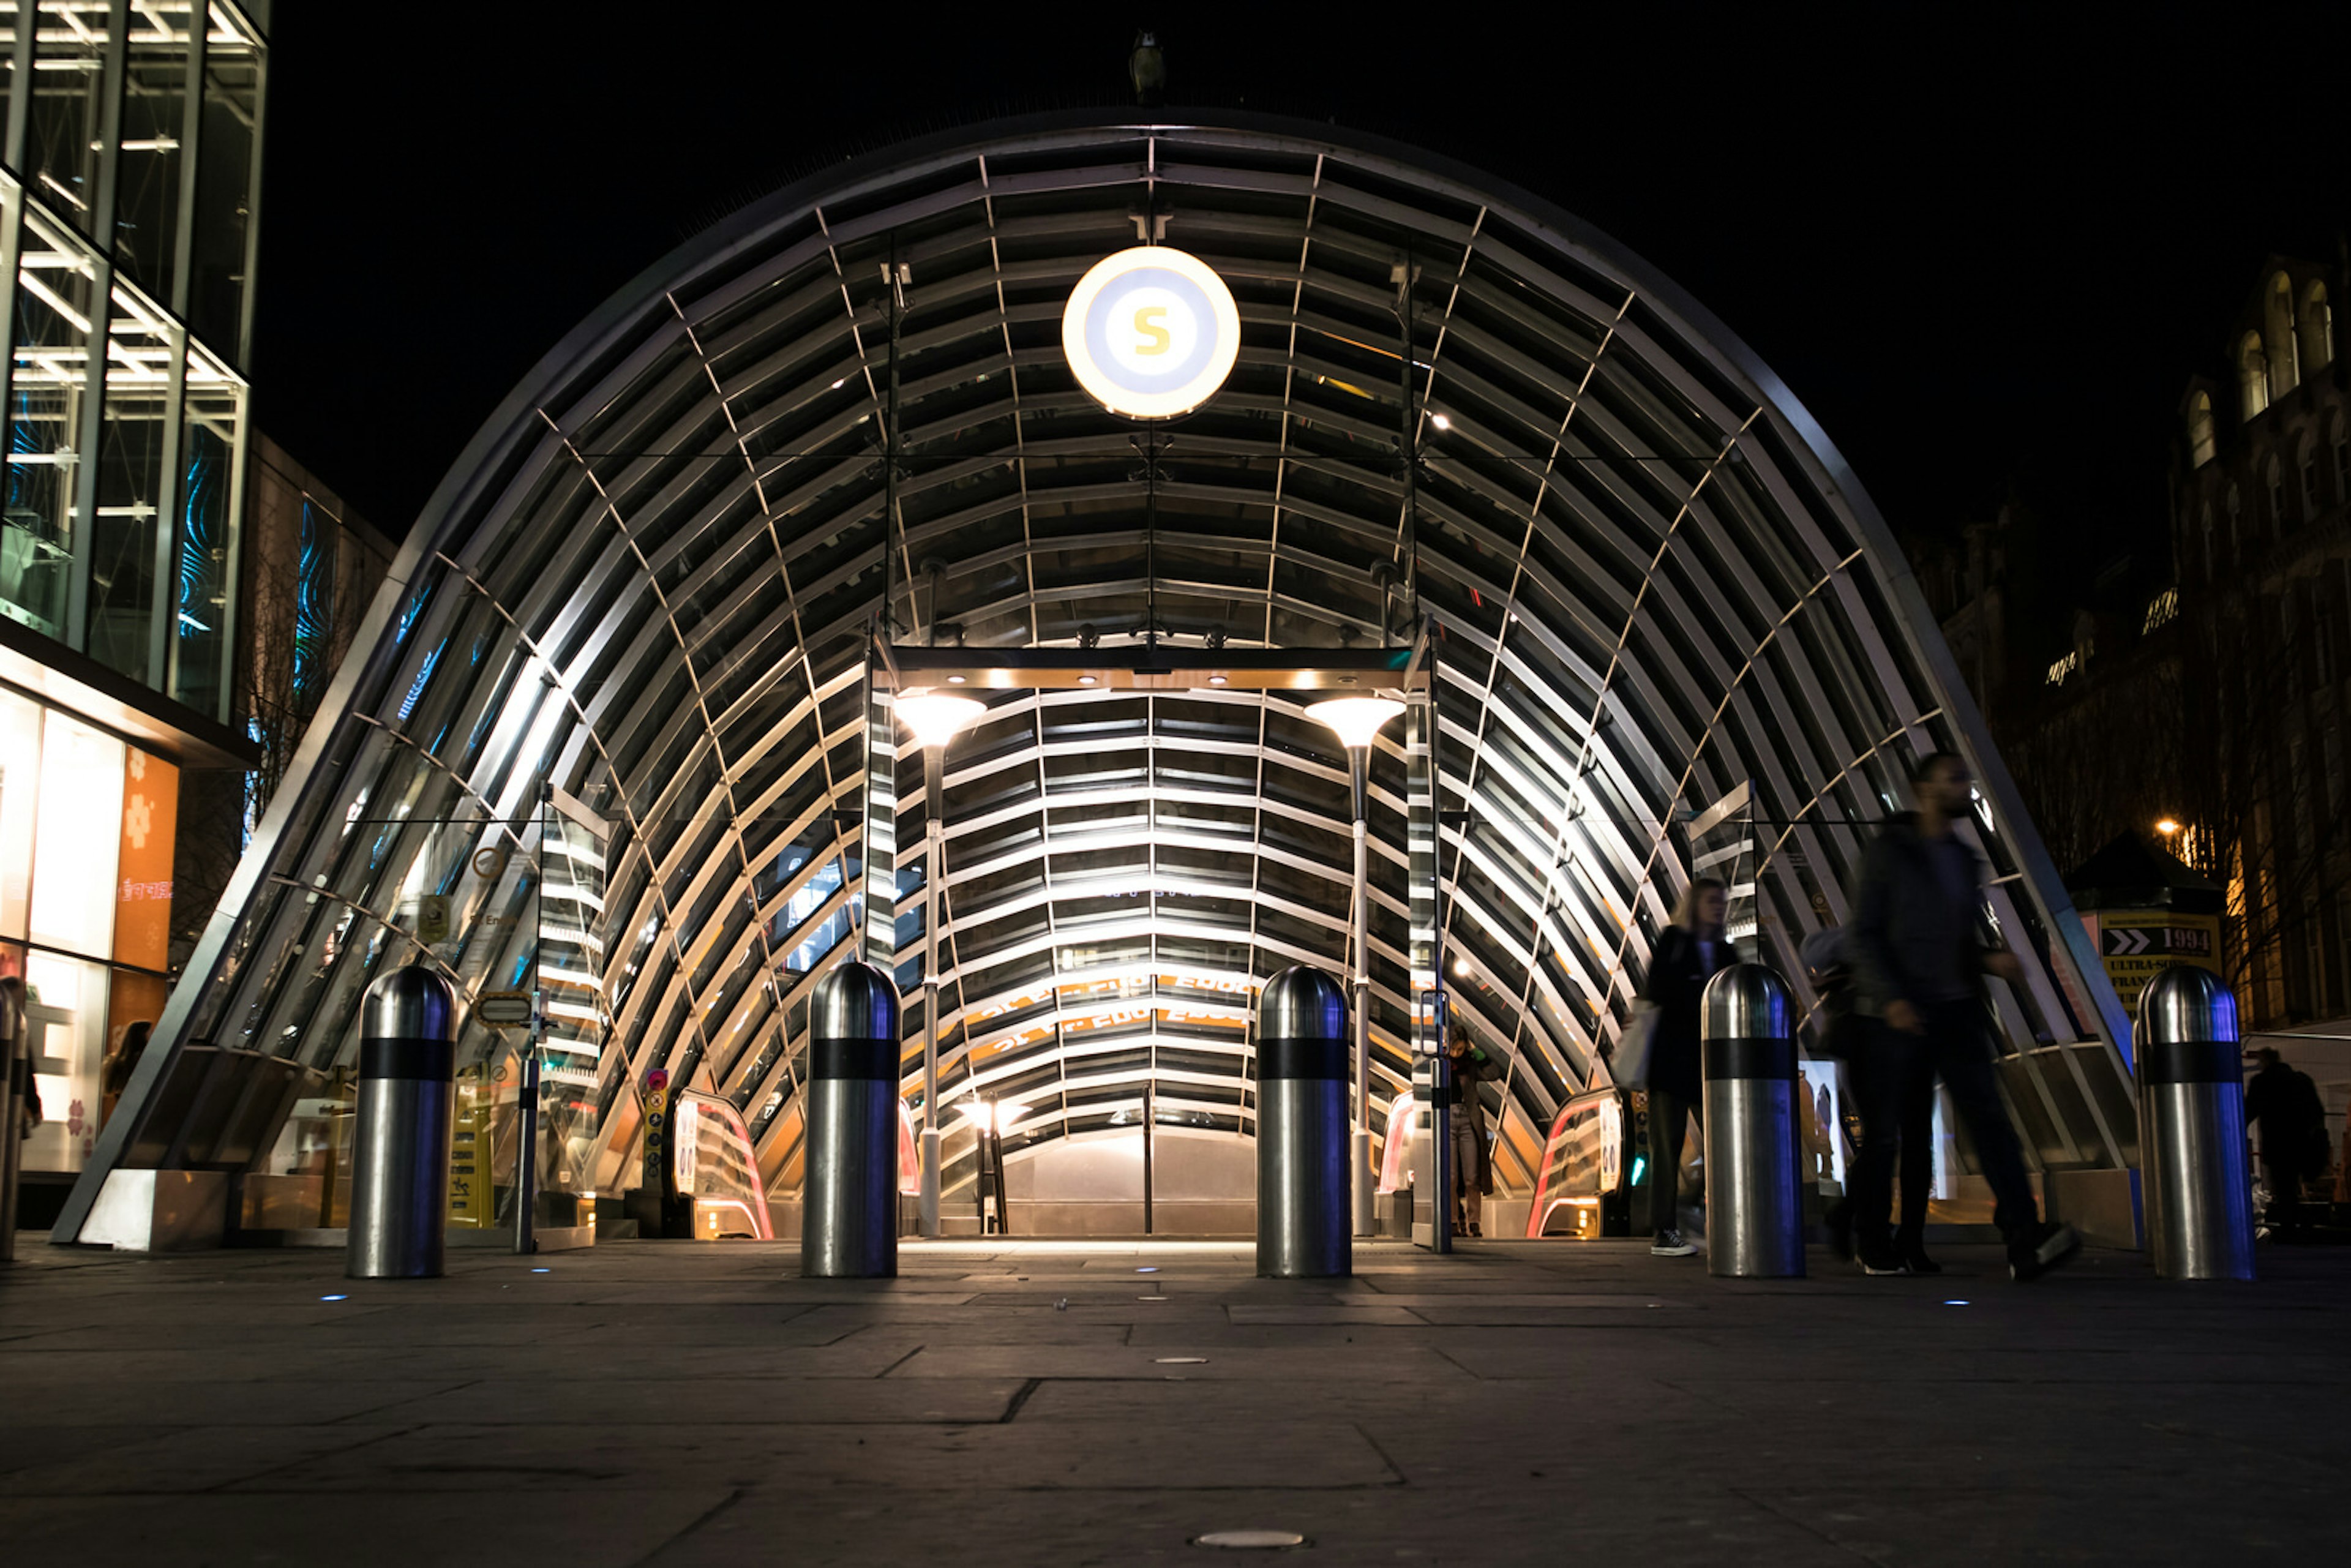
column 649, row 584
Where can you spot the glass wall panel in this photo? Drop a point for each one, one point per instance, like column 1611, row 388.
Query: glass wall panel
column 225, row 180
column 124, row 547
column 20, row 794
column 9, row 14
column 147, row 177
column 76, row 836
column 206, row 548
column 573, row 1065
column 64, row 1019
column 132, row 999
column 142, row 884
column 68, row 80
column 55, row 288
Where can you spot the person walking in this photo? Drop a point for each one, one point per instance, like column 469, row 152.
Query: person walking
column 1919, row 939
column 1689, row 953
column 1473, row 1166
column 2293, row 1136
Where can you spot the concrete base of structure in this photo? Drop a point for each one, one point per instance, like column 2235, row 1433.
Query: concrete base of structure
column 159, row 1211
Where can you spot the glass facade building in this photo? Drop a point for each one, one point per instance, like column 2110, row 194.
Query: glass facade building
column 129, row 170
column 628, row 655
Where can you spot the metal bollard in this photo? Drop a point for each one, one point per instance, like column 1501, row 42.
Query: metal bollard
column 1303, row 1198
column 849, row 1224
column 407, row 1110
column 15, row 1089
column 1754, row 1227
column 2191, row 1115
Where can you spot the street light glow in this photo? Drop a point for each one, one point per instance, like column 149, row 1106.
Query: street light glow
column 937, row 717
column 2166, row 827
column 1354, row 721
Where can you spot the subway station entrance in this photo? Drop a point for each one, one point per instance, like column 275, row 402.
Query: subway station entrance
column 631, row 733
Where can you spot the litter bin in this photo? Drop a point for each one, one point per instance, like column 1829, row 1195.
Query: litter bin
column 1754, row 1222
column 1304, row 1205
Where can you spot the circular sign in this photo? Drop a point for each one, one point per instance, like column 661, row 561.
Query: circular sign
column 489, row 864
column 1151, row 332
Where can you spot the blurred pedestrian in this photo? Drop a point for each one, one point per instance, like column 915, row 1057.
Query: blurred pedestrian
column 2293, row 1121
column 1473, row 1164
column 1689, row 953
column 1920, row 941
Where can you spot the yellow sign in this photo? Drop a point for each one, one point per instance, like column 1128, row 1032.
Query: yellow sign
column 2136, row 945
column 470, row 1206
column 1151, row 332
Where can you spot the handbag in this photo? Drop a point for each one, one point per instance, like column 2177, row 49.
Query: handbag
column 1635, row 1048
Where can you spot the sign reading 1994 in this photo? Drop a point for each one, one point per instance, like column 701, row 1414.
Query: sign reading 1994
column 1151, row 332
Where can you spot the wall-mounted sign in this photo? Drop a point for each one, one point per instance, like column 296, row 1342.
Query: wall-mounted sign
column 2136, row 945
column 1151, row 332
column 503, row 1007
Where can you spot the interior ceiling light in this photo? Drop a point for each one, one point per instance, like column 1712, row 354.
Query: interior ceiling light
column 937, row 717
column 1354, row 721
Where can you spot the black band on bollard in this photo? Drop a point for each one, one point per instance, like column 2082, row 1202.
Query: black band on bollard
column 1324, row 1060
column 2190, row 1061
column 433, row 1061
column 1747, row 1058
column 862, row 1060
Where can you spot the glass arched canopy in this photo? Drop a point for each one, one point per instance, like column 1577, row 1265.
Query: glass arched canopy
column 647, row 591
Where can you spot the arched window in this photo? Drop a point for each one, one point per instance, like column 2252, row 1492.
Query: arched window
column 2318, row 330
column 2277, row 334
column 2306, row 463
column 2252, row 373
column 2200, row 430
column 2273, row 476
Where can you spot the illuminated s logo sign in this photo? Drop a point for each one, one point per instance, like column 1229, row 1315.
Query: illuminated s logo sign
column 1151, row 332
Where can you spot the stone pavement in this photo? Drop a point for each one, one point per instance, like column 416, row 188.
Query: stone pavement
column 678, row 1403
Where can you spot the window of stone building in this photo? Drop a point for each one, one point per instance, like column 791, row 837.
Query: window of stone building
column 2309, row 468
column 2277, row 323
column 2317, row 328
column 2274, row 475
column 2252, row 373
column 2236, row 544
column 2208, row 540
column 2330, row 756
column 2339, row 439
column 2200, row 445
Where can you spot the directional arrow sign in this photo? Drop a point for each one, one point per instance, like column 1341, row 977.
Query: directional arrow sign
column 2125, row 940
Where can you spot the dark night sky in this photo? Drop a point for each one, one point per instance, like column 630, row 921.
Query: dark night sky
column 1986, row 257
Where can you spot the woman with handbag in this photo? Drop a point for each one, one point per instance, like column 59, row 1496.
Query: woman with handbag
column 1688, row 954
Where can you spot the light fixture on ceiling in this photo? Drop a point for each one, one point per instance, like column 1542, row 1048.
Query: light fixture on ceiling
column 1354, row 721
column 1439, row 420
column 937, row 717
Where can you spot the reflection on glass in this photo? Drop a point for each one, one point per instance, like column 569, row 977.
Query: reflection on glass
column 20, row 793
column 46, row 412
column 570, row 980
column 204, row 565
column 75, row 838
column 147, row 175
column 225, row 180
column 65, row 1021
column 123, row 632
column 69, row 82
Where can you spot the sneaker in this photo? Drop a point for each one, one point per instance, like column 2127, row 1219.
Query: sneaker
column 1840, row 1223
column 1914, row 1257
column 1881, row 1259
column 2041, row 1248
column 1669, row 1244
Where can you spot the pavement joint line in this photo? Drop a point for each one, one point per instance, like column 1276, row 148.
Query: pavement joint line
column 705, row 1517
column 902, row 1361
column 222, row 1486
column 1019, row 1397
column 396, row 1404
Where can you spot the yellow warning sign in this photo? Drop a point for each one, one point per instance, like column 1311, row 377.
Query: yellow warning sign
column 2136, row 945
column 470, row 1198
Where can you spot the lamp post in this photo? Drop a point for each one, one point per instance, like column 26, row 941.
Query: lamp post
column 1357, row 721
column 933, row 718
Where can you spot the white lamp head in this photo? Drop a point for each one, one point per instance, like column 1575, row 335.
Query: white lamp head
column 1355, row 720
column 937, row 717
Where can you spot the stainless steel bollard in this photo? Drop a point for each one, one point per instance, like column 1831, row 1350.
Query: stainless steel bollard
column 2191, row 1117
column 407, row 1105
column 1303, row 1198
column 15, row 1089
column 1755, row 1214
column 849, row 1224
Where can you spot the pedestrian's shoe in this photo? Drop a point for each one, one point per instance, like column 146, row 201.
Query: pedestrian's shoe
column 1669, row 1244
column 2038, row 1248
column 1840, row 1221
column 1476, row 1229
column 1880, row 1257
column 1914, row 1256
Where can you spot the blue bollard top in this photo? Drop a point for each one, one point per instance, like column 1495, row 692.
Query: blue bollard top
column 413, row 1002
column 1746, row 1001
column 2185, row 1003
column 855, row 1001
column 1301, row 1002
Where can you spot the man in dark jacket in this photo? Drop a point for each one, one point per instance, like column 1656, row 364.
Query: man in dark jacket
column 1473, row 1169
column 2293, row 1129
column 1918, row 941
